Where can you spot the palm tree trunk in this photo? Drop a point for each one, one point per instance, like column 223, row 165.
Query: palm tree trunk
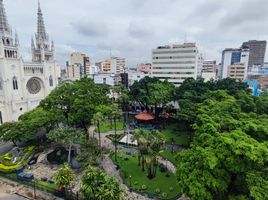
column 139, row 159
column 143, row 163
column 98, row 124
column 115, row 144
column 150, row 172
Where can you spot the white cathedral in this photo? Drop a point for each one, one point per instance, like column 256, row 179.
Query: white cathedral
column 24, row 84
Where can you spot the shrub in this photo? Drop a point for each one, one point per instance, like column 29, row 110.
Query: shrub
column 136, row 183
column 164, row 194
column 157, row 190
column 167, row 175
column 143, row 187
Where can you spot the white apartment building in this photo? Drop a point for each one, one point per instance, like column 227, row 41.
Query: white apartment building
column 175, row 63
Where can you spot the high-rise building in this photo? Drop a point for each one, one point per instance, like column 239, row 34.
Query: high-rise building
column 78, row 66
column 175, row 63
column 256, row 52
column 231, row 57
column 118, row 65
column 115, row 65
column 24, row 84
column 200, row 65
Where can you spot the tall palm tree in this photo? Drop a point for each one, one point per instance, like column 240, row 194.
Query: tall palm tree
column 149, row 146
column 115, row 113
column 97, row 118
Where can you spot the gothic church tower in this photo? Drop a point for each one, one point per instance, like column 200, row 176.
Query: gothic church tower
column 24, row 84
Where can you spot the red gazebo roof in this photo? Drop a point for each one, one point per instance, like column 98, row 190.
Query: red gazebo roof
column 144, row 116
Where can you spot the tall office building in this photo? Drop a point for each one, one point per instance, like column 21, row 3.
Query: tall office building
column 78, row 66
column 231, row 57
column 24, row 84
column 175, row 63
column 256, row 52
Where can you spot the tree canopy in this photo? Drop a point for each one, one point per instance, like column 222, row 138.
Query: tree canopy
column 76, row 102
column 229, row 146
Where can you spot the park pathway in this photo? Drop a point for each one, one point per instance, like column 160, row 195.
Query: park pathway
column 170, row 166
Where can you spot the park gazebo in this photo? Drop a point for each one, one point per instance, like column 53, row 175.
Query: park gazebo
column 145, row 120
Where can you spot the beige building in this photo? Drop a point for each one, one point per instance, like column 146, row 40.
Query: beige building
column 209, row 66
column 106, row 66
column 78, row 66
column 115, row 65
column 237, row 71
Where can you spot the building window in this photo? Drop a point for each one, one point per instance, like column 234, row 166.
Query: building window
column 50, row 81
column 1, row 119
column 15, row 83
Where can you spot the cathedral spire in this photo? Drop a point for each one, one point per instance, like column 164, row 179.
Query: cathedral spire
column 41, row 31
column 4, row 26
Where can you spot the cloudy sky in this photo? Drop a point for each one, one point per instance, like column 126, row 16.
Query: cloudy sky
column 131, row 28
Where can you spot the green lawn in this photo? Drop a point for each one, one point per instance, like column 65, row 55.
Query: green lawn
column 178, row 133
column 107, row 126
column 169, row 156
column 138, row 178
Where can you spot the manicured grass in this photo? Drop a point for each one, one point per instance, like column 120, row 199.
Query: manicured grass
column 176, row 133
column 169, row 156
column 118, row 136
column 50, row 187
column 107, row 126
column 129, row 167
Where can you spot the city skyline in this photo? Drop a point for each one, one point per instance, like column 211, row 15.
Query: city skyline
column 131, row 29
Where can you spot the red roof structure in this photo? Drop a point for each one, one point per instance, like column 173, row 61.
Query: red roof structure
column 144, row 116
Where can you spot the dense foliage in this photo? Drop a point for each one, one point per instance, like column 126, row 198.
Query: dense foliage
column 96, row 185
column 76, row 102
column 191, row 93
column 152, row 92
column 64, row 176
column 228, row 154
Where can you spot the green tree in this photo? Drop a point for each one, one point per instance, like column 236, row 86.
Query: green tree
column 13, row 131
column 76, row 102
column 64, row 176
column 150, row 145
column 228, row 145
column 152, row 92
column 114, row 113
column 96, row 185
column 66, row 135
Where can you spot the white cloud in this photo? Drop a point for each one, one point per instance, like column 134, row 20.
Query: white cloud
column 131, row 28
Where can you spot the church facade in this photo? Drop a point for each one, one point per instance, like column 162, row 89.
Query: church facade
column 24, row 84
